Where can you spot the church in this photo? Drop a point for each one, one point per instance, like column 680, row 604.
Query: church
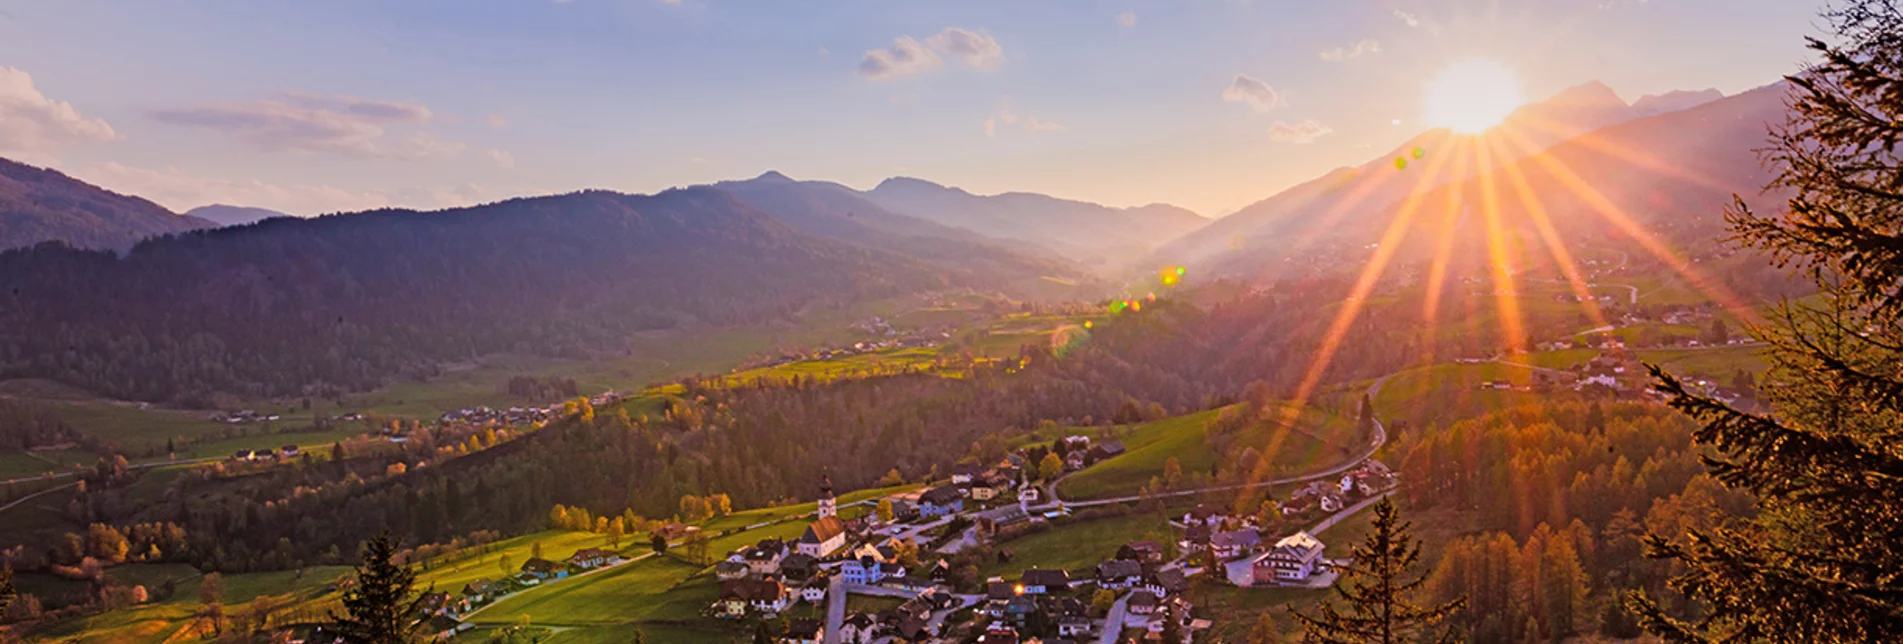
column 827, row 534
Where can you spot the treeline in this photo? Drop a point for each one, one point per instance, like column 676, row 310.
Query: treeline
column 757, row 444
column 24, row 425
column 1561, row 492
column 350, row 302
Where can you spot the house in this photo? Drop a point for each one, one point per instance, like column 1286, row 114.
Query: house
column 1104, row 450
column 1074, row 461
column 587, row 558
column 764, row 596
column 1027, row 494
column 999, row 634
column 904, row 510
column 288, row 451
column 1331, row 503
column 1205, row 514
column 1038, row 582
column 1003, row 517
column 803, row 631
column 966, row 473
column 940, row 501
column 989, row 486
column 859, row 627
column 1235, row 543
column 999, row 592
column 815, row 591
column 478, row 591
column 728, row 570
column 799, row 565
column 1143, row 552
column 1165, row 582
column 823, row 538
column 1293, row 559
column 1073, row 626
column 675, row 531
column 1141, row 602
column 1118, row 574
column 863, row 571
column 434, row 603
column 443, row 627
column 543, row 569
column 1195, row 539
column 765, row 558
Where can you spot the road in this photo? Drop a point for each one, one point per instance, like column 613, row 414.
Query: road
column 29, row 497
column 134, row 466
column 835, row 608
column 1113, row 622
column 1241, row 572
column 604, row 568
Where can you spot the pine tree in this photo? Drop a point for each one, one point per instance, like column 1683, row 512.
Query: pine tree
column 1378, row 590
column 379, row 607
column 1823, row 557
column 6, row 589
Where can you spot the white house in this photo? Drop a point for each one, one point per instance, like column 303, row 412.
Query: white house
column 1293, row 559
column 823, row 538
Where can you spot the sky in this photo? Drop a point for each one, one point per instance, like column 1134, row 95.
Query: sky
column 316, row 107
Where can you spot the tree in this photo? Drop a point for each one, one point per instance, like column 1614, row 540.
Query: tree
column 1172, row 472
column 615, row 528
column 1103, row 601
column 379, row 608
column 1718, row 333
column 1378, row 590
column 1820, row 558
column 1265, row 630
column 658, row 543
column 885, row 510
column 1173, row 623
column 211, row 588
column 1051, row 466
column 506, row 565
column 535, row 549
column 6, row 589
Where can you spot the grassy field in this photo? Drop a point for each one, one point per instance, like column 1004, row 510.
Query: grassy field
column 1716, row 363
column 656, row 588
column 1080, row 546
column 168, row 619
column 1317, row 438
column 1440, row 393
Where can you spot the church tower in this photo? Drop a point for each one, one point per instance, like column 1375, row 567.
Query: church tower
column 828, row 506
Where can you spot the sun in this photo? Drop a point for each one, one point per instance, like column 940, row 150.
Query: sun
column 1471, row 96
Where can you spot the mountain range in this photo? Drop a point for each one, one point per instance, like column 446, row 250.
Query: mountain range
column 1083, row 231
column 225, row 215
column 1257, row 239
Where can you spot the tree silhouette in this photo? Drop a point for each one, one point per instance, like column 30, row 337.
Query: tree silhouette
column 6, row 589
column 1822, row 558
column 379, row 608
column 1381, row 608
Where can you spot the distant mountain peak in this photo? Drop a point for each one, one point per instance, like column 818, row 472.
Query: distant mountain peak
column 229, row 215
column 1587, row 93
column 773, row 176
column 1675, row 100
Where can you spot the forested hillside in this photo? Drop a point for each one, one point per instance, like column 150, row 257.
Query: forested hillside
column 39, row 205
column 349, row 302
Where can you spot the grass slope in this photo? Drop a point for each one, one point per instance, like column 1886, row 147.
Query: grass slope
column 1317, row 437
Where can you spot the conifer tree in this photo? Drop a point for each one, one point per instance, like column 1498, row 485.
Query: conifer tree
column 6, row 589
column 1822, row 559
column 379, row 609
column 1379, row 591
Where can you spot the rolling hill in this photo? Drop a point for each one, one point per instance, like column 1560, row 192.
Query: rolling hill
column 348, row 302
column 38, row 205
column 1083, row 231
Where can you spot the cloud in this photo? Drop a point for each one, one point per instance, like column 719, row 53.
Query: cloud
column 32, row 123
column 1006, row 116
column 1127, row 19
column 1355, row 50
column 1249, row 90
column 977, row 50
column 905, row 58
column 501, row 158
column 342, row 125
column 1410, row 19
column 1304, row 132
column 497, row 120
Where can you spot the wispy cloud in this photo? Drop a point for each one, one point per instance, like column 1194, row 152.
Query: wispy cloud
column 1304, row 132
column 1007, row 116
column 905, row 58
column 979, row 51
column 1409, row 19
column 342, row 125
column 501, row 158
column 32, row 124
column 1127, row 19
column 1356, row 49
column 908, row 56
column 1256, row 93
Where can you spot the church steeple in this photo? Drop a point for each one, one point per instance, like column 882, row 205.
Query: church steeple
column 828, row 505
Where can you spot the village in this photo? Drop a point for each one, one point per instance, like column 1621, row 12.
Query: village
column 902, row 552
